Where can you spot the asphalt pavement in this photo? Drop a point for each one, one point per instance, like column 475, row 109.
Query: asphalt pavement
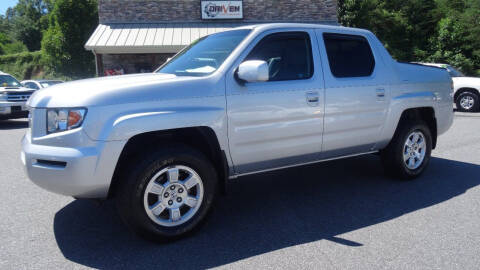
column 343, row 214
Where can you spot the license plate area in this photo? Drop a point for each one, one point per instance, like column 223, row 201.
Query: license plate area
column 16, row 109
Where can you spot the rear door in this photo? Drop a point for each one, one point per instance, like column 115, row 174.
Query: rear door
column 356, row 93
column 278, row 122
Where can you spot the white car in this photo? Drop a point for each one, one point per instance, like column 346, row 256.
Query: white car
column 39, row 84
column 467, row 89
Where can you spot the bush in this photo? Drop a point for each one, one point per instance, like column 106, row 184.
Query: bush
column 14, row 47
column 26, row 65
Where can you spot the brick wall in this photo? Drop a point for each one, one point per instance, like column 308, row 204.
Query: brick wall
column 189, row 10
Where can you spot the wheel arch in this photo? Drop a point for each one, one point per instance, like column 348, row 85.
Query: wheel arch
column 426, row 114
column 201, row 138
column 463, row 90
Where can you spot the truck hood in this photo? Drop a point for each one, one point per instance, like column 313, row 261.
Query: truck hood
column 15, row 89
column 472, row 81
column 111, row 90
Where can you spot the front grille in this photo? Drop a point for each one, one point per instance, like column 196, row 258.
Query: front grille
column 18, row 96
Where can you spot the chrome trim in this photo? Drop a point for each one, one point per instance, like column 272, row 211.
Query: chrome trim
column 299, row 164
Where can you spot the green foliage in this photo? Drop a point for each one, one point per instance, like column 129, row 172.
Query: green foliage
column 29, row 65
column 13, row 47
column 27, row 22
column 404, row 26
column 71, row 23
column 445, row 31
column 59, row 28
column 22, row 65
column 457, row 41
column 9, row 46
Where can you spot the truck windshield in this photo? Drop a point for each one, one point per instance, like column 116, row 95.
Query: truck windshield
column 8, row 81
column 204, row 55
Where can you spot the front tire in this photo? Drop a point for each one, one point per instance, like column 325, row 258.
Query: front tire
column 408, row 154
column 168, row 194
column 468, row 102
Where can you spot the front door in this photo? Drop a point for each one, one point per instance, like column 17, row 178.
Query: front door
column 278, row 122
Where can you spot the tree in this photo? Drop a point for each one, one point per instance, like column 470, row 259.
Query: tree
column 444, row 31
column 457, row 42
column 403, row 26
column 7, row 44
column 71, row 22
column 26, row 22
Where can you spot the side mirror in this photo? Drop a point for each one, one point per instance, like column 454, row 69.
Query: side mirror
column 253, row 71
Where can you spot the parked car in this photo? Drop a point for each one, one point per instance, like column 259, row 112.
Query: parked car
column 39, row 84
column 13, row 97
column 467, row 89
column 245, row 101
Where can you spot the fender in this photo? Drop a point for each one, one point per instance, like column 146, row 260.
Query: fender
column 129, row 125
column 123, row 121
column 399, row 104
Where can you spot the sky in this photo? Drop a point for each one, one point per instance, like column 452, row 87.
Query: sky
column 5, row 4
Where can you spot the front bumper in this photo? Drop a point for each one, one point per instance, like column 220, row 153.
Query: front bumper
column 8, row 110
column 81, row 172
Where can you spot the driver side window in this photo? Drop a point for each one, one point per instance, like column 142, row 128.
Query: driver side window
column 288, row 55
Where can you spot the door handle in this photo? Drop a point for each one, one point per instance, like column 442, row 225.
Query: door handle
column 312, row 98
column 380, row 92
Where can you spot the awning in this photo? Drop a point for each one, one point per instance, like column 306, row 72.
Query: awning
column 119, row 38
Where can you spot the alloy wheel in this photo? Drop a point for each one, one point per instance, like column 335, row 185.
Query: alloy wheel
column 467, row 102
column 414, row 150
column 173, row 195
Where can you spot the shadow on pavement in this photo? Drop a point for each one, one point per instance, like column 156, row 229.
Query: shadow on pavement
column 13, row 124
column 264, row 213
column 471, row 113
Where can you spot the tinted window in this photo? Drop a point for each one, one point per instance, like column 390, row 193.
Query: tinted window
column 204, row 55
column 288, row 55
column 348, row 55
column 31, row 85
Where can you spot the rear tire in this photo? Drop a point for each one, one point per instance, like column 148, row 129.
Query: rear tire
column 168, row 194
column 468, row 102
column 408, row 154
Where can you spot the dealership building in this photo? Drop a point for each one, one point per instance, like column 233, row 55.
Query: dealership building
column 139, row 35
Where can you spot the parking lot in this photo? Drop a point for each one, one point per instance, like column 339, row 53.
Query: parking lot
column 335, row 215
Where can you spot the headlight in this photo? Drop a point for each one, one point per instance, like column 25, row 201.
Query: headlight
column 3, row 96
column 64, row 119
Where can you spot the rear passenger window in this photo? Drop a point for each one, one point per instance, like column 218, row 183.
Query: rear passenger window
column 349, row 55
column 288, row 55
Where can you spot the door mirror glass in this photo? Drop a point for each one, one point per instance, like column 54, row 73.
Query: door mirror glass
column 253, row 71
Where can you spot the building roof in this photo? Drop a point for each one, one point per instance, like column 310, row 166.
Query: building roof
column 119, row 38
column 150, row 37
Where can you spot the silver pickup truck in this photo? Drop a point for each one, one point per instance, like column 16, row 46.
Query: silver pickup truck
column 244, row 101
column 13, row 97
